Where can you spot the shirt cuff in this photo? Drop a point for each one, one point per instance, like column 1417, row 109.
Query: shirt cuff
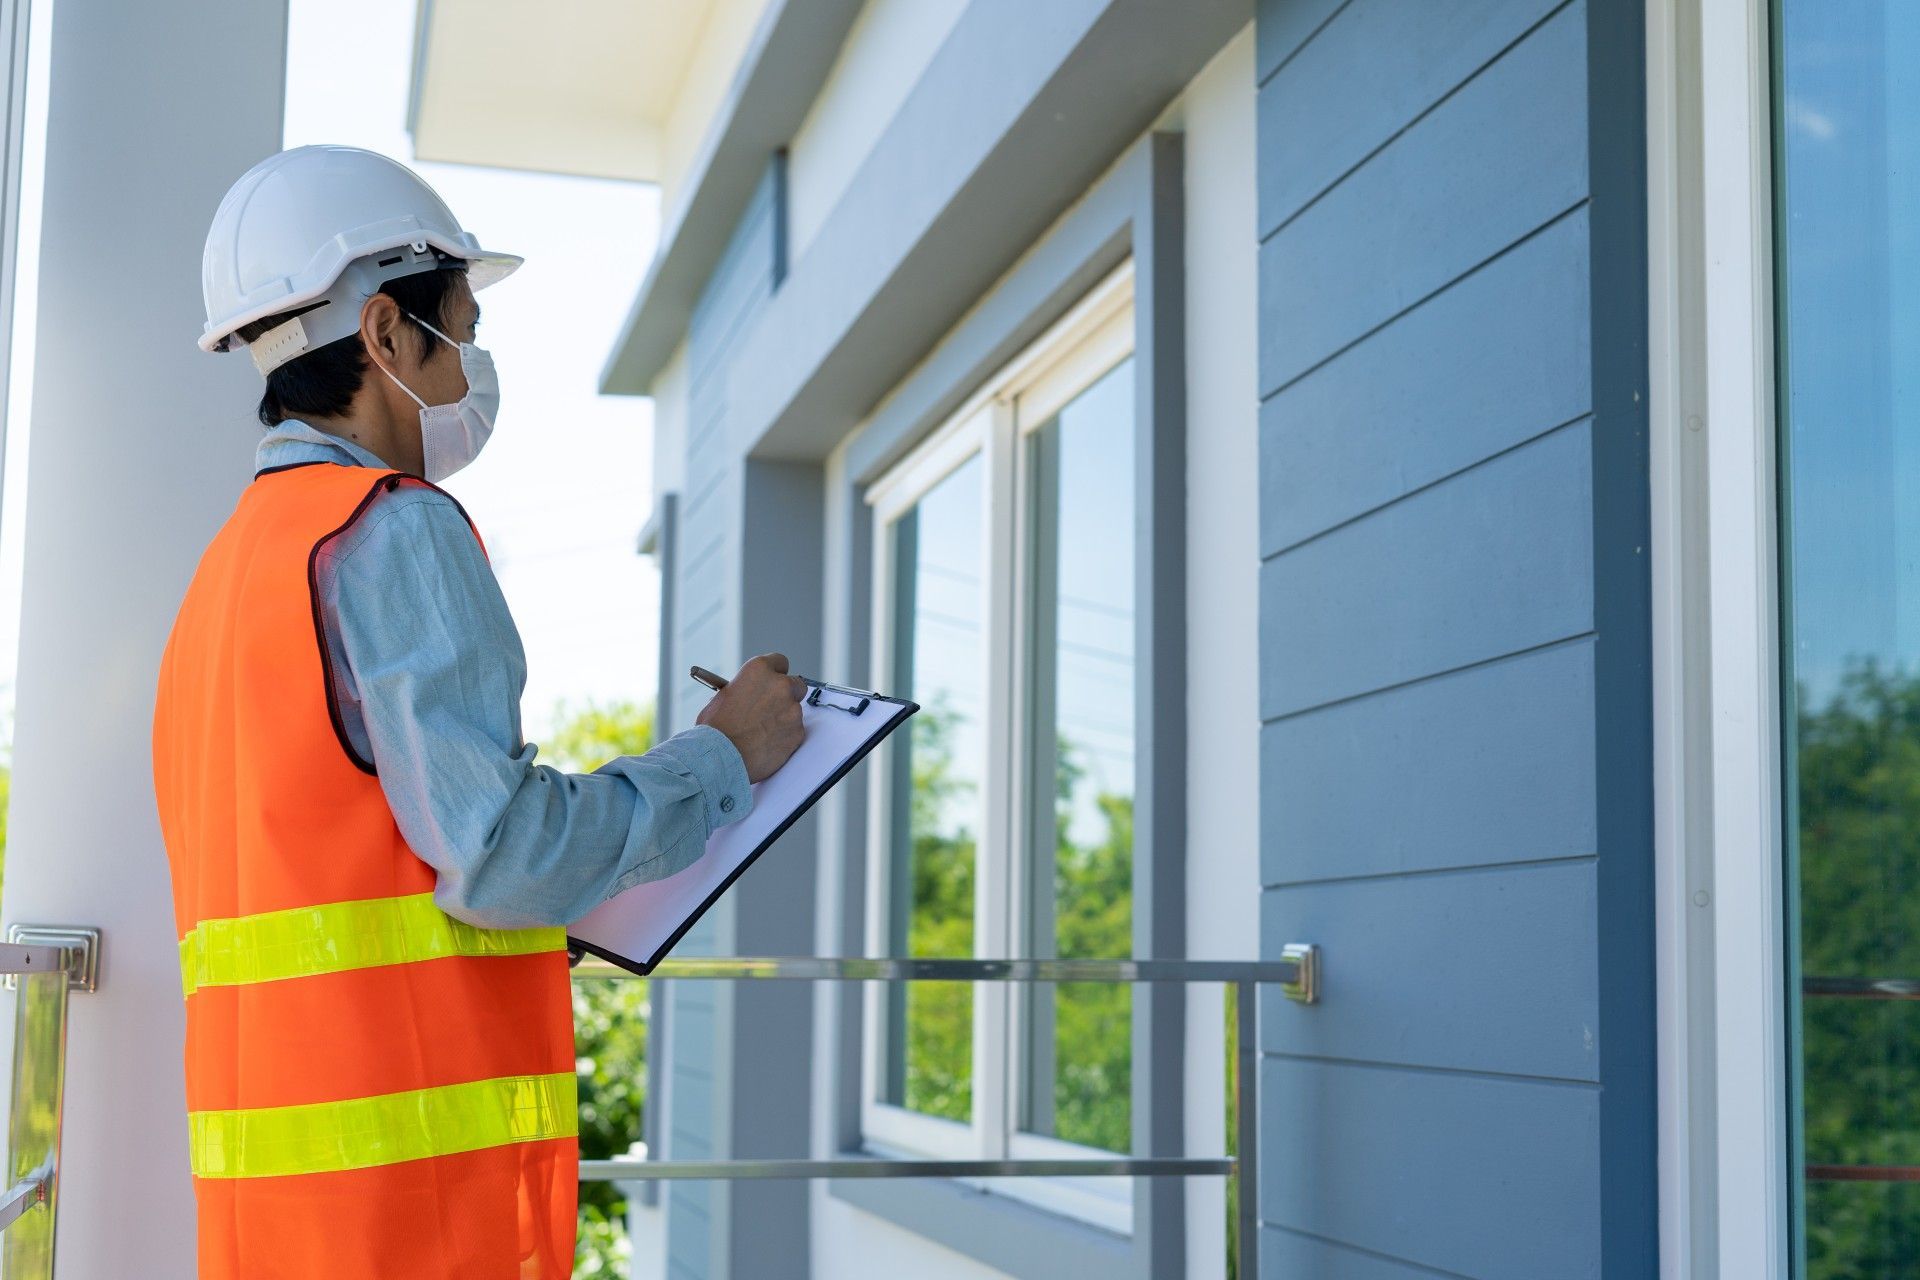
column 711, row 759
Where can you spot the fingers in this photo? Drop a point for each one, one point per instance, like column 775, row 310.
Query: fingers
column 776, row 662
column 797, row 686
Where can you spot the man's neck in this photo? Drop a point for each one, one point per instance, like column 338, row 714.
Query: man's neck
column 381, row 444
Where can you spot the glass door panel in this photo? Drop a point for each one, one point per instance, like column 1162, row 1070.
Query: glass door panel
column 1848, row 227
column 1078, row 1048
column 938, row 607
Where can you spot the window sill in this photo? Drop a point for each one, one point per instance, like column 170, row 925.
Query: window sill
column 1008, row 1234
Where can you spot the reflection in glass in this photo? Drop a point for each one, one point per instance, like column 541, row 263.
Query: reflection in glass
column 1849, row 273
column 33, row 1123
column 939, row 662
column 1077, row 1078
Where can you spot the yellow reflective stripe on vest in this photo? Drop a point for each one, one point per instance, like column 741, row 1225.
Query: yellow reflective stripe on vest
column 304, row 941
column 360, row 1133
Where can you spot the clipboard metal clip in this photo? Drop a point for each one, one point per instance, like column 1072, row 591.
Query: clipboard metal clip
column 861, row 700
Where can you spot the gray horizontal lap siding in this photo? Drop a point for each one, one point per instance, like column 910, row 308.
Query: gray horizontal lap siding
column 706, row 631
column 1454, row 689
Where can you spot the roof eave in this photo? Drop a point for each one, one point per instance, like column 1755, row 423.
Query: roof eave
column 782, row 72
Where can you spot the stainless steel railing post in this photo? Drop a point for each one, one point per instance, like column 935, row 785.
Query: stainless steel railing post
column 43, row 965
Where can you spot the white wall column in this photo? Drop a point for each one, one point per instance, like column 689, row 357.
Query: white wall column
column 140, row 445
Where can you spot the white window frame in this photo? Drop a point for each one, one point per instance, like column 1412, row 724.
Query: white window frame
column 1093, row 337
column 1717, row 739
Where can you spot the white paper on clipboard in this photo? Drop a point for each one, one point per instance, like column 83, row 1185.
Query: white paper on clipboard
column 637, row 928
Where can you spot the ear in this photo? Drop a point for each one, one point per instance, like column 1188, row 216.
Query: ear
column 380, row 324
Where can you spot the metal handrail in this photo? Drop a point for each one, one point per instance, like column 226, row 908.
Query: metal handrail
column 43, row 965
column 1285, row 972
column 1297, row 973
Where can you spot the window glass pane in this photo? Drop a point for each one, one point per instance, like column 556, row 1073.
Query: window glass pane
column 1078, row 1049
column 1849, row 274
column 937, row 799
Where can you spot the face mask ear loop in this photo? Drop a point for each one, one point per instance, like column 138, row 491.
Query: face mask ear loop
column 396, row 382
column 435, row 332
column 403, row 386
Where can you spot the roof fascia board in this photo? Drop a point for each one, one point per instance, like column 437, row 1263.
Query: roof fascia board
column 784, row 68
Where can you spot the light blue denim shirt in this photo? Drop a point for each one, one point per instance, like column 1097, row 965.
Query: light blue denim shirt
column 428, row 672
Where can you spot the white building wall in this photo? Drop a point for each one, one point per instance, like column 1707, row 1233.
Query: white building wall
column 1223, row 569
column 140, row 446
column 886, row 49
column 1217, row 116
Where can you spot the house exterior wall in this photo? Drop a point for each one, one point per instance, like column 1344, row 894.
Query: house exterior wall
column 135, row 460
column 715, row 1230
column 1456, row 753
column 886, row 49
column 717, row 541
column 670, row 436
column 1416, row 523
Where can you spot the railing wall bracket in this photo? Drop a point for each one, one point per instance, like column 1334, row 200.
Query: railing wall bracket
column 32, row 947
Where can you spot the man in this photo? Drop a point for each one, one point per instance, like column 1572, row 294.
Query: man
column 370, row 873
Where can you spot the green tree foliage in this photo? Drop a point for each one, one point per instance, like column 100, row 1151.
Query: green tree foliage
column 1093, row 920
column 1093, row 1060
column 1859, row 898
column 609, row 1017
column 939, row 1021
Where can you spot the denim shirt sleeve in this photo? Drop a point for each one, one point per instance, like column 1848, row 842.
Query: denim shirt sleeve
column 429, row 670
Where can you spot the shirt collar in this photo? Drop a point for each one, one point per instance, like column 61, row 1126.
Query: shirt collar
column 294, row 442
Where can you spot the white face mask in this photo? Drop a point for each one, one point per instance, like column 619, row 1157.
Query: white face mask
column 452, row 435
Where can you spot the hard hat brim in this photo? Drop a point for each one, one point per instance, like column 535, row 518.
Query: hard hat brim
column 490, row 268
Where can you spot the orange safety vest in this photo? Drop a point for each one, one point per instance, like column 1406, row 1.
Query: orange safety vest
column 374, row 1088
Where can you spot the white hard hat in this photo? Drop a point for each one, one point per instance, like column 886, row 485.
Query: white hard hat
column 324, row 223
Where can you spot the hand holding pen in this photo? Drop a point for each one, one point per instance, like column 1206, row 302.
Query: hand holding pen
column 758, row 710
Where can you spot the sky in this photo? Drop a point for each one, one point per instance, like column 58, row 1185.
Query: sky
column 1851, row 328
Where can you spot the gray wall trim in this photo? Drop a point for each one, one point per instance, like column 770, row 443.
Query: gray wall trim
column 1024, row 106
column 666, row 558
column 666, row 541
column 780, row 75
column 770, row 1053
column 1622, row 606
column 1160, row 693
column 1137, row 209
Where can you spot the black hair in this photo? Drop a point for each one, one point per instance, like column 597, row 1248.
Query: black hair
column 323, row 382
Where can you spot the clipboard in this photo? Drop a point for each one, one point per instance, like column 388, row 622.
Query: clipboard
column 637, row 928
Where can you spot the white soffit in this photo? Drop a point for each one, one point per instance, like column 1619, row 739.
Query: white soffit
column 569, row 86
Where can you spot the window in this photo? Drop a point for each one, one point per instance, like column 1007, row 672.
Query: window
column 1849, row 264
column 1004, row 590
